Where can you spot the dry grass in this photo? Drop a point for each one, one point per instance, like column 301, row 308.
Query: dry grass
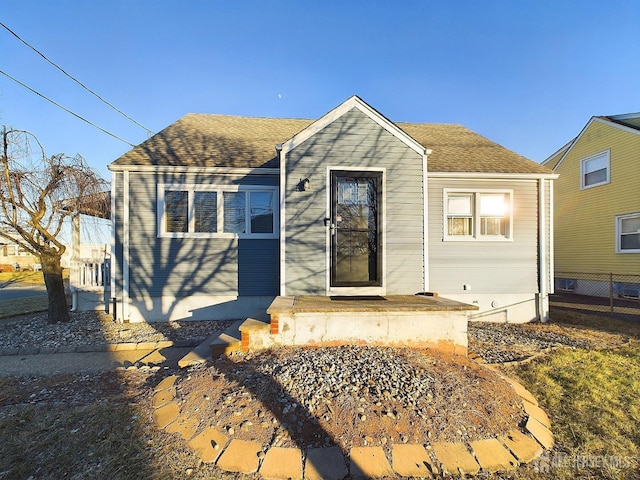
column 23, row 276
column 23, row 306
column 592, row 397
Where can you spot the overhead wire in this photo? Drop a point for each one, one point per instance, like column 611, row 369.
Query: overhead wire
column 66, row 109
column 75, row 79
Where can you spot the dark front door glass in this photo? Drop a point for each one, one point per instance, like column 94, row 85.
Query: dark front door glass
column 355, row 229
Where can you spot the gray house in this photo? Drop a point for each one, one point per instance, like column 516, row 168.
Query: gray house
column 217, row 215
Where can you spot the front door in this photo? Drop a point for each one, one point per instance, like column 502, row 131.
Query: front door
column 356, row 256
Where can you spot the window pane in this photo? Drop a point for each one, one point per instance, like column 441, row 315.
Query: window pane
column 234, row 212
column 599, row 176
column 492, row 205
column 492, row 226
column 176, row 208
column 206, row 212
column 630, row 225
column 460, row 226
column 598, row 163
column 459, row 204
column 261, row 212
column 595, row 170
column 630, row 241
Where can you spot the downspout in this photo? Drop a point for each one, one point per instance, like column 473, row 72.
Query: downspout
column 125, row 246
column 112, row 268
column 542, row 253
column 552, row 266
column 74, row 274
column 281, row 157
column 425, row 219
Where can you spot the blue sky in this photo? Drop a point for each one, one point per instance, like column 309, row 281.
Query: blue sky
column 527, row 75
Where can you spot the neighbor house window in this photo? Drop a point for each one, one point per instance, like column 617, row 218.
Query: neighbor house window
column 595, row 169
column 628, row 233
column 217, row 211
column 478, row 215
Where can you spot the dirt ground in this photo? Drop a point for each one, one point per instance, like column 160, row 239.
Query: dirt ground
column 467, row 402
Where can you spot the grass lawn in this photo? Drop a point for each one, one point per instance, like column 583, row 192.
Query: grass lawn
column 593, row 399
column 26, row 305
column 23, row 306
column 23, row 276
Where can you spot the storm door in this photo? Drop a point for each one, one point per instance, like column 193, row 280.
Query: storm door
column 355, row 229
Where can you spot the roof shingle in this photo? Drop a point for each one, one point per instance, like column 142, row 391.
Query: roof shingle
column 205, row 140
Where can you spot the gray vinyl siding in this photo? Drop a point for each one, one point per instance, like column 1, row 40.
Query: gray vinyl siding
column 508, row 267
column 353, row 140
column 181, row 267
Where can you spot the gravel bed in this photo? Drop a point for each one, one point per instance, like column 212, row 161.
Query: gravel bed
column 508, row 342
column 96, row 328
column 348, row 396
column 313, row 375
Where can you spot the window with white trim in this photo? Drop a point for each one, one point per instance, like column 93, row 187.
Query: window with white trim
column 478, row 215
column 595, row 170
column 628, row 233
column 217, row 211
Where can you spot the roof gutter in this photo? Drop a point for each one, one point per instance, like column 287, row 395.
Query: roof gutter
column 189, row 169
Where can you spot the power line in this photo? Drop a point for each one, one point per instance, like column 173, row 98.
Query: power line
column 74, row 79
column 66, row 109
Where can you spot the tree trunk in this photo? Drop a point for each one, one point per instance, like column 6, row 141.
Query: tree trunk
column 52, row 271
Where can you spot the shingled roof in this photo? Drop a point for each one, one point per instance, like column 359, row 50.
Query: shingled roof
column 205, row 140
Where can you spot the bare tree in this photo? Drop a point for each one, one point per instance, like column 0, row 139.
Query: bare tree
column 37, row 194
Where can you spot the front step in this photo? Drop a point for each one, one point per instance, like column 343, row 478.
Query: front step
column 228, row 342
column 256, row 331
column 224, row 343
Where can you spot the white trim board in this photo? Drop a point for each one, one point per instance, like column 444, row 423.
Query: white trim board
column 194, row 170
column 348, row 105
column 603, row 121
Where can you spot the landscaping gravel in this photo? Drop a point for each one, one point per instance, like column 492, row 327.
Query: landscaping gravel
column 314, row 375
column 508, row 342
column 33, row 333
column 493, row 342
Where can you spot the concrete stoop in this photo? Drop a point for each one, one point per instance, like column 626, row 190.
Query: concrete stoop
column 502, row 454
column 400, row 320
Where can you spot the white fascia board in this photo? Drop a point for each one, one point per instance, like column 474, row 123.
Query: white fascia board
column 195, row 170
column 602, row 121
column 561, row 149
column 624, row 128
column 494, row 176
column 349, row 104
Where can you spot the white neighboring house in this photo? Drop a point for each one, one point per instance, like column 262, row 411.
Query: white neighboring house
column 13, row 255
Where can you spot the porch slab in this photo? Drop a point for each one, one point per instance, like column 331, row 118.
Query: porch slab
column 370, row 303
column 395, row 320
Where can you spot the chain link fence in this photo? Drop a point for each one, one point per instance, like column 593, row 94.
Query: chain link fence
column 612, row 294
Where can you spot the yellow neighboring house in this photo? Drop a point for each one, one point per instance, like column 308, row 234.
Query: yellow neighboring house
column 597, row 198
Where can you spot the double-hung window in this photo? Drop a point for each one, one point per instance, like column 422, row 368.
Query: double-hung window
column 217, row 211
column 628, row 233
column 595, row 170
column 478, row 215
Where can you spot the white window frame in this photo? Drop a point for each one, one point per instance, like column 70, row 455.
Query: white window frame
column 583, row 162
column 220, row 190
column 476, row 236
column 619, row 220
